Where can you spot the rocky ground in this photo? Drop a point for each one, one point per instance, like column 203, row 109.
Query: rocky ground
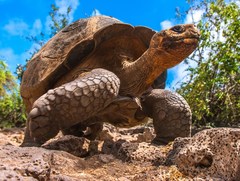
column 123, row 154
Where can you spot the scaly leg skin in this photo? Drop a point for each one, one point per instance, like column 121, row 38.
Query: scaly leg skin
column 171, row 115
column 70, row 104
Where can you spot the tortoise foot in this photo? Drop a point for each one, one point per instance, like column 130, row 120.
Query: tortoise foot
column 30, row 144
column 41, row 127
column 171, row 114
column 161, row 141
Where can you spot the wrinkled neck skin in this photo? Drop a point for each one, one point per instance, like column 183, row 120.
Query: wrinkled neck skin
column 139, row 75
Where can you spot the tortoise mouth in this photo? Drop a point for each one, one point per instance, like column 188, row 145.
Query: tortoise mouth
column 188, row 40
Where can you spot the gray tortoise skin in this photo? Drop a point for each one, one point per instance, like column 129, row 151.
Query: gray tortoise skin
column 102, row 70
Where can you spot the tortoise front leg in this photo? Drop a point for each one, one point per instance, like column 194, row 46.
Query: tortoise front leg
column 28, row 140
column 171, row 115
column 70, row 104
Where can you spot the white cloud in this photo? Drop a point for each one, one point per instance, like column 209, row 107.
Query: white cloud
column 95, row 12
column 194, row 16
column 34, row 47
column 37, row 27
column 48, row 23
column 180, row 74
column 8, row 54
column 16, row 27
column 237, row 3
column 12, row 58
column 166, row 24
column 63, row 7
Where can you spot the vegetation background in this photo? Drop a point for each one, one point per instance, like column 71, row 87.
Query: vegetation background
column 212, row 88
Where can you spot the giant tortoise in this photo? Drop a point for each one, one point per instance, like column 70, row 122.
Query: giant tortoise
column 102, row 70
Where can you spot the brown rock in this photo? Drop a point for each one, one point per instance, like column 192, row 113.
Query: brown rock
column 209, row 155
column 27, row 163
column 213, row 153
column 78, row 146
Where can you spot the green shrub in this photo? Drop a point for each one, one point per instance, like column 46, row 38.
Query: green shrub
column 12, row 111
column 11, row 106
column 213, row 91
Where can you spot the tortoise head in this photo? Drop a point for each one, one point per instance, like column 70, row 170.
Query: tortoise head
column 177, row 42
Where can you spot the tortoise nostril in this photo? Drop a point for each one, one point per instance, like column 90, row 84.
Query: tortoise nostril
column 196, row 30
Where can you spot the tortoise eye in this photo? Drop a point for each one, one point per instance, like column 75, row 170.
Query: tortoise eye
column 178, row 29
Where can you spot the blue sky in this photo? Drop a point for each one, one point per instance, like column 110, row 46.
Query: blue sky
column 27, row 17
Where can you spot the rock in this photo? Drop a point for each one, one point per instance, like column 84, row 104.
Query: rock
column 147, row 135
column 162, row 173
column 213, row 153
column 77, row 146
column 106, row 158
column 13, row 136
column 142, row 153
column 109, row 132
column 123, row 154
column 126, row 151
column 36, row 163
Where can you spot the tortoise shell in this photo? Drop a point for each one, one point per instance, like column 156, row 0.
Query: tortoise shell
column 76, row 47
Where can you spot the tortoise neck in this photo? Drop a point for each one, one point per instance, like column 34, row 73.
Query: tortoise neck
column 151, row 64
column 142, row 72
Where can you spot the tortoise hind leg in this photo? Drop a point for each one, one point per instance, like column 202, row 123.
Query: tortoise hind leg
column 70, row 104
column 170, row 113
